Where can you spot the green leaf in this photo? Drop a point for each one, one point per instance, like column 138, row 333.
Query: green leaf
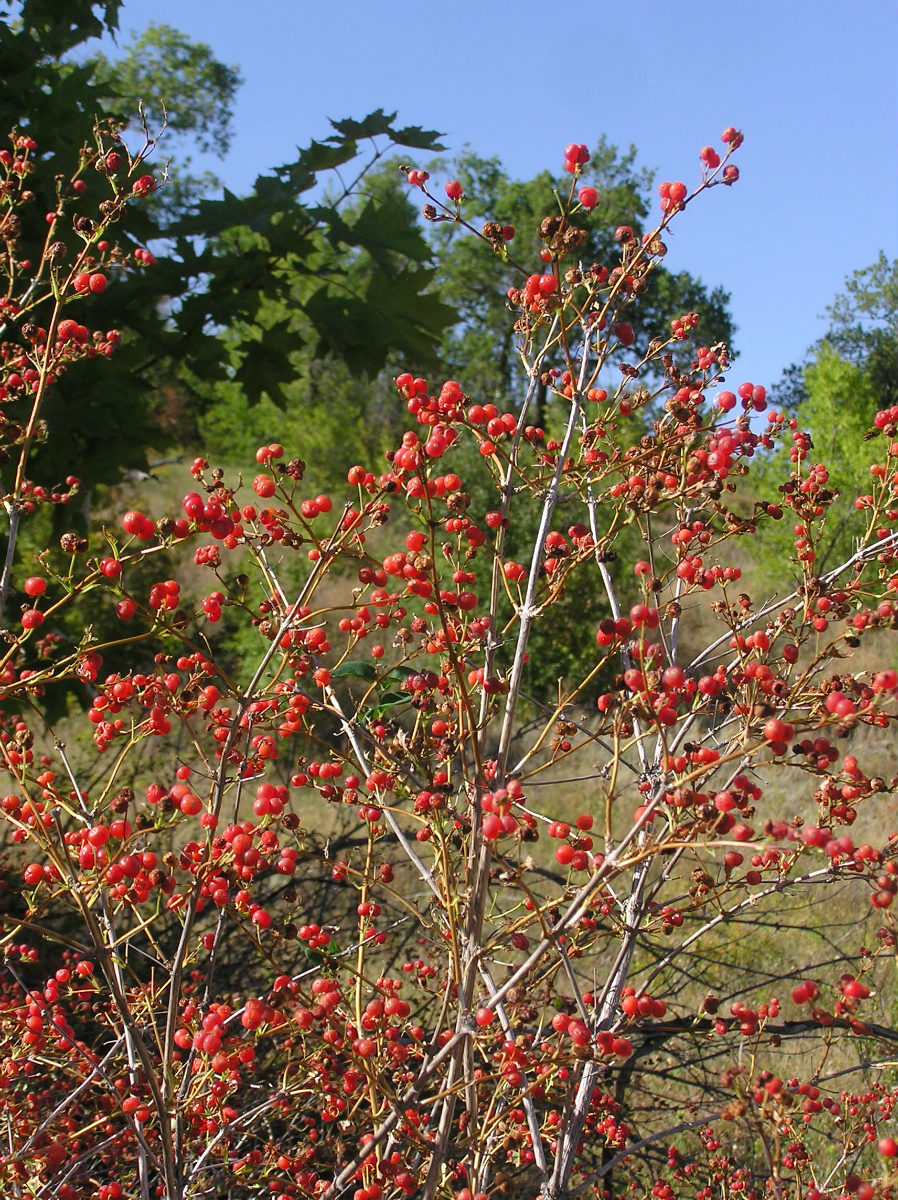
column 262, row 373
column 355, row 669
column 380, row 124
column 382, row 229
column 418, row 138
column 396, row 315
column 376, row 123
column 318, row 156
column 384, row 226
column 62, row 26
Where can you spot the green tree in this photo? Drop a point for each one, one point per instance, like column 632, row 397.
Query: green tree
column 864, row 326
column 863, row 329
column 226, row 269
column 841, row 402
column 327, row 412
column 850, row 374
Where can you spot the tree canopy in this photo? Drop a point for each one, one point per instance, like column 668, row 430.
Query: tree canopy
column 864, row 326
column 207, row 309
column 849, row 375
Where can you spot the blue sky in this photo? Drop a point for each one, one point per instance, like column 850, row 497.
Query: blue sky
column 813, row 85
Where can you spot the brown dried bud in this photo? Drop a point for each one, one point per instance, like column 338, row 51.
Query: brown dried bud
column 457, row 502
column 24, row 738
column 71, row 543
column 573, row 237
column 55, row 251
column 493, row 231
column 430, row 212
column 180, row 618
column 549, row 226
column 84, row 225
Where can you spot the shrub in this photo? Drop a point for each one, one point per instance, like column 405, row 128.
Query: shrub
column 341, row 924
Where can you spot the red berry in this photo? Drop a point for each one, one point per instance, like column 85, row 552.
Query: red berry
column 193, row 505
column 454, row 190
column 588, row 197
column 624, row 332
column 776, row 730
column 35, row 585
column 67, row 330
column 575, row 155
column 125, row 609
